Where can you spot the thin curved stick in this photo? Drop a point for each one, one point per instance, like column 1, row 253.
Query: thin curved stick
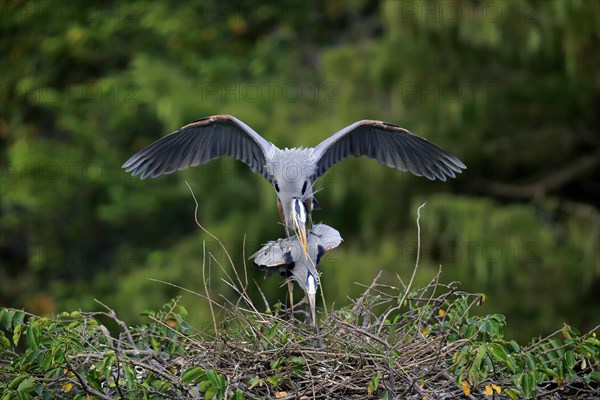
column 412, row 278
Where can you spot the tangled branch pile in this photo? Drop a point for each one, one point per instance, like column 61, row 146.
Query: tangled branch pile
column 389, row 343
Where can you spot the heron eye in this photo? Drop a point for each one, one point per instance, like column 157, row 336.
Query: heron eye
column 276, row 187
column 304, row 187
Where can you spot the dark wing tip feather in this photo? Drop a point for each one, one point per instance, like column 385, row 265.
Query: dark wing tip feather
column 268, row 270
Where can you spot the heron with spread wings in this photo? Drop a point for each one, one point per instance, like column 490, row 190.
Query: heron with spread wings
column 292, row 172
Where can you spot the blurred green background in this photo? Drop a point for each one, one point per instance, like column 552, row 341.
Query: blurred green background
column 511, row 87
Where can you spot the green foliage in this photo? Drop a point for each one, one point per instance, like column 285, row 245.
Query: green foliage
column 510, row 87
column 74, row 353
column 490, row 359
column 212, row 385
column 431, row 333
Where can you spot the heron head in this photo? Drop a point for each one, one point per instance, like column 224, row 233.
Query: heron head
column 310, row 287
column 291, row 171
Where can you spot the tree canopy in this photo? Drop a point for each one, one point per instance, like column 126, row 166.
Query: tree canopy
column 512, row 88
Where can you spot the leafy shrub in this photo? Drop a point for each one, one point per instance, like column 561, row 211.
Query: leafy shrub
column 390, row 342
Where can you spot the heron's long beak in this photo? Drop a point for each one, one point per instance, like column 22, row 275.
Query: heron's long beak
column 311, row 293
column 313, row 311
column 301, row 233
column 299, row 224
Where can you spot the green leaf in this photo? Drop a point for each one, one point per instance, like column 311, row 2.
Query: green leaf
column 528, row 384
column 73, row 325
column 155, row 344
column 590, row 347
column 515, row 346
column 593, row 342
column 18, row 319
column 298, row 361
column 205, row 385
column 54, row 373
column 481, row 352
column 47, row 361
column 512, row 393
column 222, row 386
column 274, row 380
column 470, row 331
column 94, row 382
column 237, row 396
column 24, row 395
column 4, row 342
column 17, row 334
column 498, row 352
column 272, row 332
column 210, row 393
column 183, row 311
column 276, row 363
column 194, row 374
column 107, row 366
column 492, row 328
column 32, row 337
column 26, row 385
column 374, row 384
column 17, row 381
column 557, row 347
column 253, row 382
column 569, row 360
column 212, row 376
column 550, row 372
column 129, row 375
column 530, row 361
column 7, row 319
column 501, row 319
column 284, row 337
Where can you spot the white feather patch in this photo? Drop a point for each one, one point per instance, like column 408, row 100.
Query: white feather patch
column 311, row 285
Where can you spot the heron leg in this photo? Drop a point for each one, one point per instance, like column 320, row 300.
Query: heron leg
column 291, row 292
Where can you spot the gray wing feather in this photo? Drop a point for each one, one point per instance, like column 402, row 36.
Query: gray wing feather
column 326, row 236
column 277, row 252
column 200, row 142
column 390, row 145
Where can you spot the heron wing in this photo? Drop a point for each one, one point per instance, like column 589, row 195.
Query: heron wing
column 327, row 237
column 275, row 253
column 390, row 145
column 200, row 142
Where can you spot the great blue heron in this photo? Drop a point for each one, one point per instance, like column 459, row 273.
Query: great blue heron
column 292, row 172
column 287, row 257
